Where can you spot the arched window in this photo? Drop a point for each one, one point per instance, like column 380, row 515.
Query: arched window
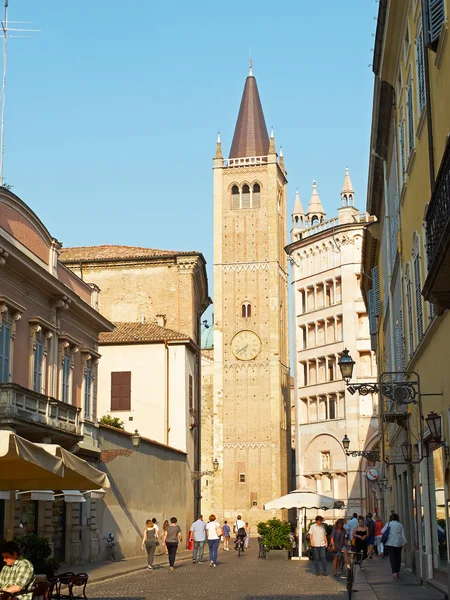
column 314, row 220
column 344, row 203
column 245, row 196
column 418, row 287
column 350, row 200
column 235, row 197
column 246, row 310
column 256, row 203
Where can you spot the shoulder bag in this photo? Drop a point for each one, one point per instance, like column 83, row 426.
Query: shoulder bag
column 385, row 535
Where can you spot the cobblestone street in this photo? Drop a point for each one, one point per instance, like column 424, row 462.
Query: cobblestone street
column 245, row 578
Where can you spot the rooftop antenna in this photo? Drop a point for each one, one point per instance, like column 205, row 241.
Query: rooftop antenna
column 6, row 29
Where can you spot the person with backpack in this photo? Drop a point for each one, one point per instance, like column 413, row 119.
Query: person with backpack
column 239, row 529
column 150, row 541
column 370, row 524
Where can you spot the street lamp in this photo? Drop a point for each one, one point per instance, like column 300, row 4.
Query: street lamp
column 406, row 451
column 346, row 364
column 200, row 474
column 215, row 464
column 370, row 455
column 434, row 423
column 136, row 438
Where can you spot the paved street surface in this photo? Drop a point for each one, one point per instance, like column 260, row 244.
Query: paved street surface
column 248, row 578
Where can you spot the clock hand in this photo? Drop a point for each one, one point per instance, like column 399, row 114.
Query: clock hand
column 242, row 349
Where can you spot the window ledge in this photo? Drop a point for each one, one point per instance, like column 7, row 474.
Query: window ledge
column 441, row 45
column 412, row 156
column 403, row 193
column 421, row 122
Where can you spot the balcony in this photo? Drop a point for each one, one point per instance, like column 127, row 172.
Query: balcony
column 437, row 284
column 38, row 418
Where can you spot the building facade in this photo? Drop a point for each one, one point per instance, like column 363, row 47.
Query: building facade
column 330, row 315
column 49, row 327
column 406, row 254
column 251, row 406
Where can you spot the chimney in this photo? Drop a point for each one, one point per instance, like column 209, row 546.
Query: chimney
column 161, row 320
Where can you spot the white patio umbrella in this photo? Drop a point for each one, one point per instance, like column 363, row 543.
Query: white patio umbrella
column 302, row 500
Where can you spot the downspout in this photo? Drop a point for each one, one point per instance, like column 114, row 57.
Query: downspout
column 425, row 21
column 166, row 346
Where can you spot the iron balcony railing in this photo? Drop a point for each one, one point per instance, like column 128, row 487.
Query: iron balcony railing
column 438, row 213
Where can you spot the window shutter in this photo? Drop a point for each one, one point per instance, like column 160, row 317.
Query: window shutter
column 409, row 308
column 436, row 16
column 418, row 296
column 5, row 347
column 372, row 316
column 121, row 390
column 410, row 118
column 402, row 145
column 376, row 290
column 420, row 71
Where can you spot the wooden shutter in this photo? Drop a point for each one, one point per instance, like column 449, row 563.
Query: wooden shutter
column 376, row 290
column 121, row 390
column 436, row 16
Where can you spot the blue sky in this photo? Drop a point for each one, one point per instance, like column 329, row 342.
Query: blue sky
column 113, row 109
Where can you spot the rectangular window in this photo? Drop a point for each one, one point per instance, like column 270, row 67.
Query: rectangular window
column 241, row 477
column 121, row 390
column 88, row 390
column 191, row 392
column 436, row 17
column 410, row 108
column 65, row 378
column 5, row 349
column 333, row 407
column 402, row 145
column 38, row 358
column 420, row 66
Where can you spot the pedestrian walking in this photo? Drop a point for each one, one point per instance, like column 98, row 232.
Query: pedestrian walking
column 247, row 535
column 150, row 541
column 351, row 525
column 370, row 524
column 165, row 526
column 172, row 537
column 197, row 533
column 396, row 540
column 360, row 535
column 226, row 536
column 214, row 532
column 318, row 540
column 338, row 536
column 378, row 529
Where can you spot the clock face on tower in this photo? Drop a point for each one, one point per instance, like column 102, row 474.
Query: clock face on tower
column 246, row 345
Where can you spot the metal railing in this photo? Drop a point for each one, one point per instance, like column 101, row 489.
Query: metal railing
column 17, row 402
column 438, row 213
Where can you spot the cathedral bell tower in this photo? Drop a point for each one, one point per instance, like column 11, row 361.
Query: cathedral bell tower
column 251, row 391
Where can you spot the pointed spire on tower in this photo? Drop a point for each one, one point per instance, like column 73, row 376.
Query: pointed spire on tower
column 250, row 134
column 250, row 69
column 347, row 193
column 272, row 149
column 298, row 208
column 315, row 207
column 281, row 155
column 218, row 147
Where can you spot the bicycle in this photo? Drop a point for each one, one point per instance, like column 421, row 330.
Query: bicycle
column 353, row 559
column 340, row 563
column 239, row 546
column 110, row 547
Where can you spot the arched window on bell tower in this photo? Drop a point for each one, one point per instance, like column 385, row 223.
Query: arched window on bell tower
column 256, row 195
column 245, row 196
column 246, row 310
column 235, row 197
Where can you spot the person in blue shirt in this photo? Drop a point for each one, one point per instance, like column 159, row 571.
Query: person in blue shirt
column 226, row 535
column 198, row 534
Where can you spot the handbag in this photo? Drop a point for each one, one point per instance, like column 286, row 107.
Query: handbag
column 219, row 531
column 385, row 536
column 156, row 537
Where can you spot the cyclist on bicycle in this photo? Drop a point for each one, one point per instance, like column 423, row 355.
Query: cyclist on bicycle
column 241, row 534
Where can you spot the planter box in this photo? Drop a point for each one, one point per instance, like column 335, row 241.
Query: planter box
column 277, row 555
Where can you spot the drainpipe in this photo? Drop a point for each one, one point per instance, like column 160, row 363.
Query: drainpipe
column 166, row 346
column 425, row 20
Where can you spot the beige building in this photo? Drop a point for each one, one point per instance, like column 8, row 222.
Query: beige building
column 250, row 412
column 150, row 373
column 49, row 327
column 330, row 315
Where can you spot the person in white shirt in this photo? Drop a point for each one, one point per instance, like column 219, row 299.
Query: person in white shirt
column 351, row 525
column 214, row 531
column 239, row 524
column 318, row 539
column 239, row 530
column 395, row 542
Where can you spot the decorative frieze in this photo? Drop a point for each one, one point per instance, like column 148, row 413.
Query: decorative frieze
column 242, row 445
column 262, row 266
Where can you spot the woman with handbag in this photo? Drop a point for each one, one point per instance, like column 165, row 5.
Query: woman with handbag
column 214, row 531
column 150, row 541
column 337, row 544
column 394, row 539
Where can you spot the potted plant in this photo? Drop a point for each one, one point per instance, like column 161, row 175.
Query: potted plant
column 39, row 552
column 274, row 538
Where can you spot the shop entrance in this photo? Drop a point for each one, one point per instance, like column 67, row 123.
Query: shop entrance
column 59, row 530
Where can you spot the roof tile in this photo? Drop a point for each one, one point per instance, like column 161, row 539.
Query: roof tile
column 139, row 332
column 110, row 252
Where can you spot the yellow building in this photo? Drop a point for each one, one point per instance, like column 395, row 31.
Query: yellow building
column 406, row 266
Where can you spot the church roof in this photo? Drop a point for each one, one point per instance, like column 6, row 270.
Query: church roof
column 207, row 342
column 315, row 205
column 135, row 333
column 298, row 208
column 250, row 135
column 348, row 186
column 109, row 252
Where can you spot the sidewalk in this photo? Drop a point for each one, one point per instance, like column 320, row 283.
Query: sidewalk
column 375, row 582
column 105, row 569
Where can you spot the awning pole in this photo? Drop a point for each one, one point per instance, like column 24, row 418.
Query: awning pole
column 11, row 506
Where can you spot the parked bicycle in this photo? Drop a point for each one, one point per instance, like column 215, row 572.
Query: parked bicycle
column 110, row 547
column 353, row 559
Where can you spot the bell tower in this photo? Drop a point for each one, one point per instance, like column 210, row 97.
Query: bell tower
column 251, row 391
